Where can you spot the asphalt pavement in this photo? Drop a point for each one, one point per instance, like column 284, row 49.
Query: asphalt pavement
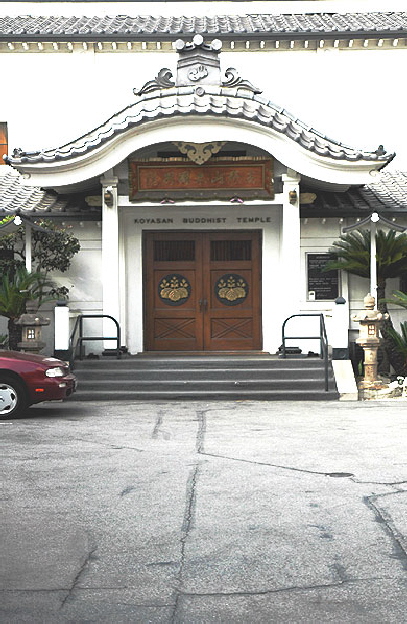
column 195, row 512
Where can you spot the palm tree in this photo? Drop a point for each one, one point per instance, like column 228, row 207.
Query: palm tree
column 353, row 250
column 16, row 289
column 400, row 342
column 399, row 298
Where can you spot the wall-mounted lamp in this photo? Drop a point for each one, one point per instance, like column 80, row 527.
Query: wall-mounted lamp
column 17, row 220
column 108, row 196
column 292, row 196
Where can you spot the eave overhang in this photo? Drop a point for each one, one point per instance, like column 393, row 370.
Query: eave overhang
column 386, row 195
column 200, row 114
column 119, row 28
column 35, row 203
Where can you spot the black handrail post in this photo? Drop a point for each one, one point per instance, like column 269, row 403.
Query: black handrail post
column 119, row 333
column 322, row 335
column 283, row 339
column 323, row 342
column 81, row 339
column 326, row 372
column 324, row 349
column 81, row 353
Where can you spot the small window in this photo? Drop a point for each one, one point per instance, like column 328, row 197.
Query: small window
column 174, row 250
column 231, row 250
column 3, row 141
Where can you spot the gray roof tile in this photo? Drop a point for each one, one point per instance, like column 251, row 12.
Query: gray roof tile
column 32, row 200
column 126, row 27
column 387, row 195
column 236, row 102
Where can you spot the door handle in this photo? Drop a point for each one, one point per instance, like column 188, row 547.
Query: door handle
column 203, row 304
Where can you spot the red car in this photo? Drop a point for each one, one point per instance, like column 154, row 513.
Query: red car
column 26, row 379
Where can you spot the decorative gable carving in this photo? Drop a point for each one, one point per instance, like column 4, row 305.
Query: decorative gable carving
column 199, row 152
column 198, row 64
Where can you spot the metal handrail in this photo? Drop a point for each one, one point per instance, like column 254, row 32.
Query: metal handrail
column 323, row 341
column 73, row 346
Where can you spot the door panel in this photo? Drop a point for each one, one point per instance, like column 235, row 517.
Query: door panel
column 233, row 315
column 202, row 291
column 176, row 321
column 172, row 283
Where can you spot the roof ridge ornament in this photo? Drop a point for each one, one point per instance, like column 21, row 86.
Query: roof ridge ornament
column 161, row 81
column 234, row 80
column 198, row 42
column 198, row 64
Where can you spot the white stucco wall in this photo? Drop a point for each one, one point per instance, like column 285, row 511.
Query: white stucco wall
column 350, row 95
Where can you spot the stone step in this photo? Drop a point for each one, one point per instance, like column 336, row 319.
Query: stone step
column 205, row 362
column 203, row 378
column 197, row 384
column 140, row 374
column 208, row 395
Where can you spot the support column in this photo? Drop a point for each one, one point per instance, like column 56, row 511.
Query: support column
column 110, row 255
column 28, row 246
column 291, row 278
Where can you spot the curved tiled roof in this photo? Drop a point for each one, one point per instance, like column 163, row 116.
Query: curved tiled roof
column 124, row 27
column 211, row 101
column 391, row 189
column 15, row 196
column 387, row 195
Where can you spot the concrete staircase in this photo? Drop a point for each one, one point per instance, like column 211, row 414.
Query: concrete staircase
column 206, row 377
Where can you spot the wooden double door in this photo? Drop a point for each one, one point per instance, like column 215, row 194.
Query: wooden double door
column 202, row 291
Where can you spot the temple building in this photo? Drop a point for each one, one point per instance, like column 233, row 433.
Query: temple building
column 206, row 212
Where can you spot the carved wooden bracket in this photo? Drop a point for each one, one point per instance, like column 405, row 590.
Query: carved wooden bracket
column 199, row 152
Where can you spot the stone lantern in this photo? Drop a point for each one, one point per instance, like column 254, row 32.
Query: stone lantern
column 369, row 324
column 31, row 323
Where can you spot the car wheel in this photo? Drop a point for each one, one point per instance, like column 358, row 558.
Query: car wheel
column 13, row 398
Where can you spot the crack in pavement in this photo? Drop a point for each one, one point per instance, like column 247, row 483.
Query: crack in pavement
column 200, row 438
column 188, row 520
column 200, row 448
column 18, row 590
column 128, row 490
column 294, row 588
column 190, row 507
column 259, row 463
column 75, row 582
column 392, row 483
column 386, row 521
column 158, row 431
column 112, row 446
column 157, row 425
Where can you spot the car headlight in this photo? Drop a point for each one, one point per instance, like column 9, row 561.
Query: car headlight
column 57, row 371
